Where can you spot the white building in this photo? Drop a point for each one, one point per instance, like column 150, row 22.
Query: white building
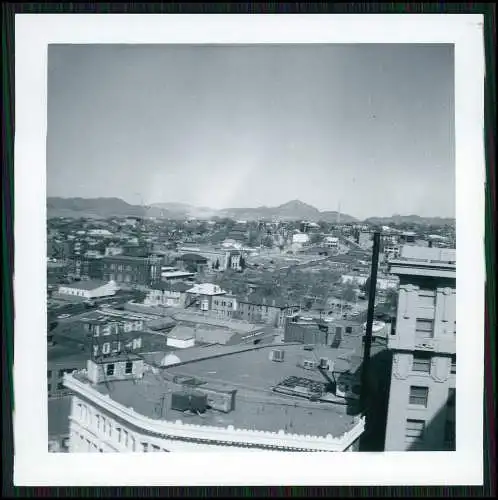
column 181, row 337
column 204, row 293
column 167, row 295
column 99, row 232
column 89, row 289
column 330, row 242
column 383, row 283
column 170, row 415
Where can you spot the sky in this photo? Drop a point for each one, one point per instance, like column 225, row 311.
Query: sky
column 367, row 128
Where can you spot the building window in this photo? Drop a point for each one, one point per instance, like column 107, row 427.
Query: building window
column 49, row 387
column 414, row 430
column 49, row 373
column 421, row 363
column 349, row 329
column 145, row 447
column 106, row 348
column 97, row 421
column 419, row 395
column 60, row 386
column 453, row 365
column 118, row 434
column 129, row 367
column 110, row 369
column 133, row 444
column 425, row 327
column 451, row 398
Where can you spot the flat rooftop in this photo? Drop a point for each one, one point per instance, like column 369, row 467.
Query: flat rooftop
column 186, row 316
column 254, row 376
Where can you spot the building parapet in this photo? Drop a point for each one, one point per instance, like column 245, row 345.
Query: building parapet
column 228, row 435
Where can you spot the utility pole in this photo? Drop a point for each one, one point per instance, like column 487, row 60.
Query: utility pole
column 370, row 317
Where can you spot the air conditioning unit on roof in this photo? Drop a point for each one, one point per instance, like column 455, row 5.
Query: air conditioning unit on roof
column 277, row 355
column 309, row 364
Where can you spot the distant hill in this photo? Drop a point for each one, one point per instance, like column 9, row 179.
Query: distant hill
column 115, row 207
column 411, row 219
column 292, row 210
column 96, row 207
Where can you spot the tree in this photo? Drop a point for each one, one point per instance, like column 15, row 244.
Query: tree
column 268, row 242
column 316, row 238
column 348, row 293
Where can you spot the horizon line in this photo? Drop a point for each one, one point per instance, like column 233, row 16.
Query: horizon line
column 144, row 205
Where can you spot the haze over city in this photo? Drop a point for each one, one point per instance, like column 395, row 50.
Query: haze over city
column 369, row 127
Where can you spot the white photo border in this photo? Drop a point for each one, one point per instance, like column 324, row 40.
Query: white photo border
column 33, row 464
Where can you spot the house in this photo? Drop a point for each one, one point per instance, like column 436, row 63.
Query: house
column 225, row 306
column 300, row 240
column 203, row 294
column 165, row 294
column 271, row 311
column 89, row 289
column 330, row 242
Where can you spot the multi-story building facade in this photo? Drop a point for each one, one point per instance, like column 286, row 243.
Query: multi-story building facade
column 167, row 294
column 202, row 295
column 256, row 308
column 421, row 414
column 225, row 306
column 127, row 270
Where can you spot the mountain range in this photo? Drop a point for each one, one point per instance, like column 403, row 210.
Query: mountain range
column 292, row 210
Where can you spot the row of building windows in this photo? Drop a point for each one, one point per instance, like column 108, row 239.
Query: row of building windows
column 415, row 431
column 419, row 396
column 105, row 427
column 425, row 328
column 120, row 267
column 422, row 363
column 223, row 303
column 110, row 368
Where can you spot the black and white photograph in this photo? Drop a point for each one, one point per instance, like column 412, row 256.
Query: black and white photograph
column 251, row 247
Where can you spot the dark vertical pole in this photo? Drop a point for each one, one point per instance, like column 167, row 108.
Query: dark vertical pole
column 370, row 317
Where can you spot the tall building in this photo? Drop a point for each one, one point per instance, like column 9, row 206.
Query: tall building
column 421, row 414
